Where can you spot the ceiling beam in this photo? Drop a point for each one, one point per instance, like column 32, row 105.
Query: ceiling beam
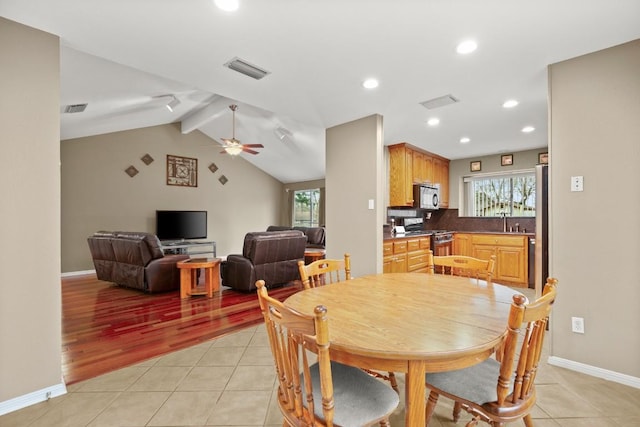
column 217, row 107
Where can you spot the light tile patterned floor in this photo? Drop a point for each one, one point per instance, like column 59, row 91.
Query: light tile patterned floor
column 230, row 382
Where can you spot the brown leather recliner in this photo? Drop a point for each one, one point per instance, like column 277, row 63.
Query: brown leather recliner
column 315, row 235
column 134, row 260
column 268, row 255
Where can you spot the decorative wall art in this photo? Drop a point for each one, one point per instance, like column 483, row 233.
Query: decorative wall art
column 213, row 168
column 131, row 171
column 506, row 160
column 147, row 159
column 182, row 171
column 476, row 166
column 543, row 158
column 223, row 180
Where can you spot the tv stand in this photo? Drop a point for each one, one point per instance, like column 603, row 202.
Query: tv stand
column 187, row 247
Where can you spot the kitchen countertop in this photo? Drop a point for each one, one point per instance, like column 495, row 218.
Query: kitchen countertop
column 387, row 236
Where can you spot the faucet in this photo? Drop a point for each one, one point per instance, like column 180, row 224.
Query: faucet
column 517, row 227
column 504, row 222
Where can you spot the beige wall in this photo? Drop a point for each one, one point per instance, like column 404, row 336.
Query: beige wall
column 353, row 177
column 30, row 360
column 595, row 234
column 461, row 168
column 98, row 195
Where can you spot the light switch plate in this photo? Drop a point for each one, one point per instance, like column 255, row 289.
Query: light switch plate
column 577, row 183
column 371, row 205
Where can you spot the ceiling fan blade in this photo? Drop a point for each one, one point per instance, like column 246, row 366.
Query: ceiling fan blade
column 250, row 151
column 254, row 145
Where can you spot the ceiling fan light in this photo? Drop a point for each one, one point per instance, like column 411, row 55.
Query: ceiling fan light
column 233, row 150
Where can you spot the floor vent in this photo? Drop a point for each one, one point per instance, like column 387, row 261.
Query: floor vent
column 243, row 67
column 75, row 108
column 440, row 102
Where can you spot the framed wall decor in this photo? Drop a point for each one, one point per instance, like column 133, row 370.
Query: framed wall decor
column 182, row 171
column 543, row 158
column 147, row 159
column 506, row 160
column 476, row 166
column 131, row 171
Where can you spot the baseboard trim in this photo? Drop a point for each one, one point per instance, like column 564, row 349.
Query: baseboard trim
column 32, row 398
column 77, row 273
column 595, row 371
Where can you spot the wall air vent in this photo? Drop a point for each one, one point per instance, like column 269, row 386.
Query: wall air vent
column 75, row 108
column 439, row 102
column 242, row 66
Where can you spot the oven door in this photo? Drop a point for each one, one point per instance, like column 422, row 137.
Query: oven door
column 443, row 247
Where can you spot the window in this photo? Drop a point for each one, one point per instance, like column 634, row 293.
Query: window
column 306, row 208
column 492, row 195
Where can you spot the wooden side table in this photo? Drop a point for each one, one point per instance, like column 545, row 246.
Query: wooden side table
column 189, row 276
column 313, row 254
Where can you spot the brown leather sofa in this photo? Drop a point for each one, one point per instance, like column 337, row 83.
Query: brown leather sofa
column 315, row 235
column 134, row 260
column 268, row 255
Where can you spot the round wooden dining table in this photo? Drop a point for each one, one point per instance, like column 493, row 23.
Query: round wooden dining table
column 414, row 323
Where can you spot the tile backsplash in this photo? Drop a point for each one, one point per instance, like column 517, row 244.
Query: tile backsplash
column 448, row 219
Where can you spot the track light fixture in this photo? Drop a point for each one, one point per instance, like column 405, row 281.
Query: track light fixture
column 282, row 133
column 173, row 103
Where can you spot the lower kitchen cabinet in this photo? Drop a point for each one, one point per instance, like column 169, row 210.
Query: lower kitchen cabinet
column 410, row 254
column 511, row 256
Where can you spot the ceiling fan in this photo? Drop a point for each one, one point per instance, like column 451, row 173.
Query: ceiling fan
column 232, row 146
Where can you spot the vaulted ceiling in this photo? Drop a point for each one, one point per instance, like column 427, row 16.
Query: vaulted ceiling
column 121, row 57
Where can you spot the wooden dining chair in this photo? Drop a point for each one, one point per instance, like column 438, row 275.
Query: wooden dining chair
column 325, row 393
column 474, row 389
column 461, row 265
column 324, row 271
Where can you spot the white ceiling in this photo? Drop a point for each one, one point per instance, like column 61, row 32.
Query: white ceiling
column 120, row 55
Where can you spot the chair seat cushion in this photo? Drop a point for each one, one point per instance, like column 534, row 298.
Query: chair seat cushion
column 359, row 398
column 475, row 384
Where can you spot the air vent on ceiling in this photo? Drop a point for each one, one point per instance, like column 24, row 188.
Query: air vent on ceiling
column 440, row 102
column 242, row 66
column 75, row 108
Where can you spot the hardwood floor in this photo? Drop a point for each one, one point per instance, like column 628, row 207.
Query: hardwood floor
column 106, row 327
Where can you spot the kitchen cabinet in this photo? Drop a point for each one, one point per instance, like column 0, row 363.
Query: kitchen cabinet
column 400, row 176
column 462, row 244
column 511, row 253
column 394, row 257
column 410, row 165
column 406, row 254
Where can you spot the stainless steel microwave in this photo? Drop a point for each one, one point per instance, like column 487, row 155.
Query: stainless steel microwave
column 426, row 196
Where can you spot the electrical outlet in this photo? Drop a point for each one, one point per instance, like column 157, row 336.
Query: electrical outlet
column 577, row 183
column 577, row 325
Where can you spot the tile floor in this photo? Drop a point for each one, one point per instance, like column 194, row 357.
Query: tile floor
column 231, row 382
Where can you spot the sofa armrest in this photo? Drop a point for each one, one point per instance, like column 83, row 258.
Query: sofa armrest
column 238, row 273
column 162, row 274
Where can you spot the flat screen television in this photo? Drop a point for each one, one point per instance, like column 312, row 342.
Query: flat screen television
column 181, row 225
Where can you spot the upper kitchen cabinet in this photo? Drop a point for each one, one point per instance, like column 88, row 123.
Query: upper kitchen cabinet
column 410, row 165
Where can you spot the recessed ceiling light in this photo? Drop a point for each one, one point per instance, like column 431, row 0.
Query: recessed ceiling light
column 227, row 5
column 528, row 129
column 433, row 121
column 465, row 140
column 370, row 83
column 466, row 47
column 510, row 103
